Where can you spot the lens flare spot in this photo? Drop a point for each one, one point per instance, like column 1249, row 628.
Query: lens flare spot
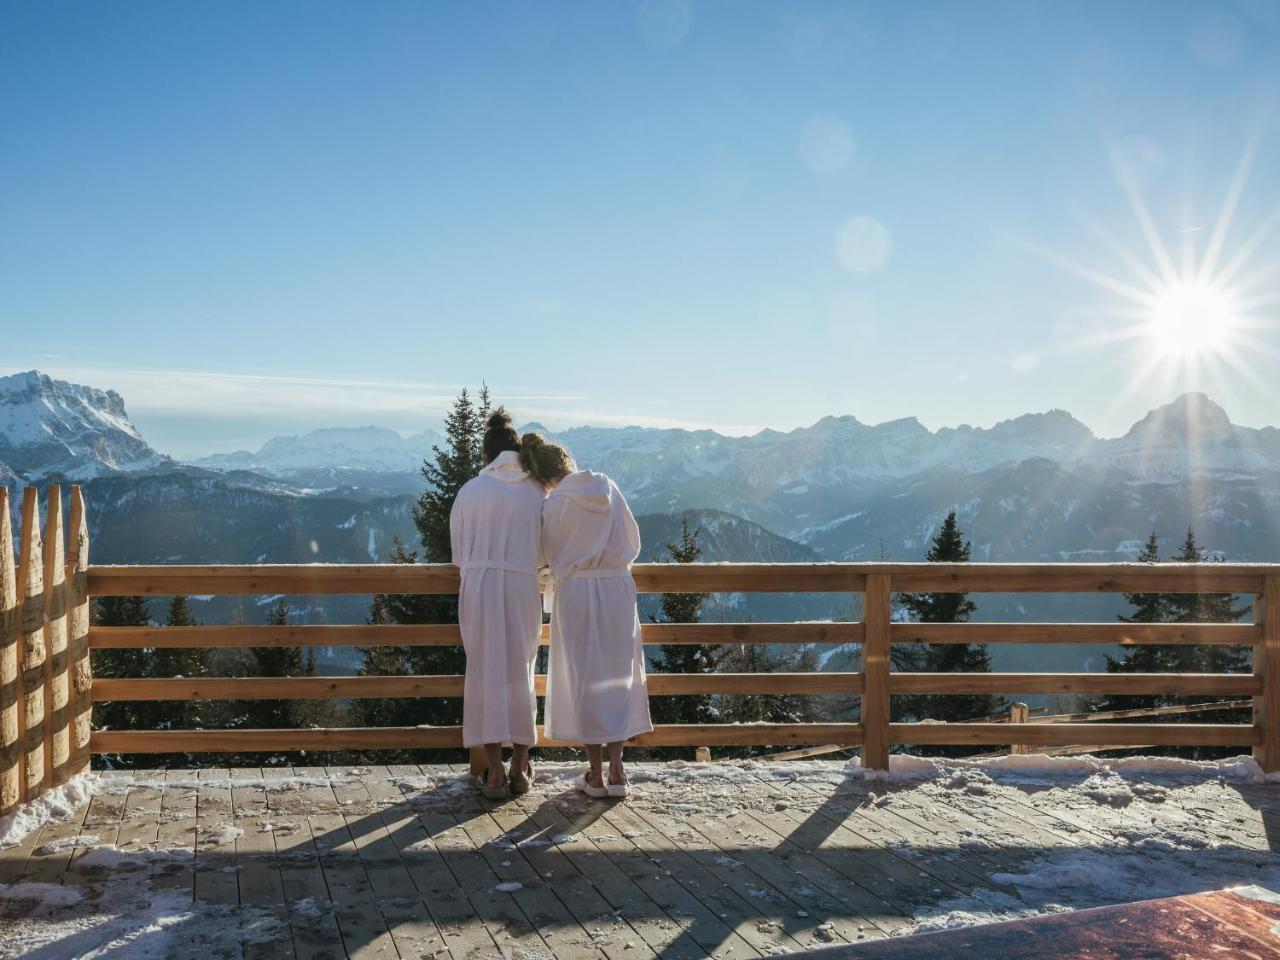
column 1189, row 319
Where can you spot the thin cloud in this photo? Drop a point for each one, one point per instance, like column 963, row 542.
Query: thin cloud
column 206, row 395
column 216, row 393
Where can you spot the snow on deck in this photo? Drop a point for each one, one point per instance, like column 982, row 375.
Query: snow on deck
column 723, row 860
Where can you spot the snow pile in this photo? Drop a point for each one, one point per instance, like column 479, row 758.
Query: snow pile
column 135, row 922
column 223, row 834
column 57, row 804
column 63, row 844
column 1112, row 831
column 904, row 768
column 129, row 916
column 41, row 899
column 107, row 856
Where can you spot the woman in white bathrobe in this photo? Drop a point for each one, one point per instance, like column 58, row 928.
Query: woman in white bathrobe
column 596, row 689
column 494, row 528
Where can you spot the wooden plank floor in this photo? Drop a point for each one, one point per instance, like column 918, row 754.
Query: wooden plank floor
column 722, row 861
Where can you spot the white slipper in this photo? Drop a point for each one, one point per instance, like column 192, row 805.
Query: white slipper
column 616, row 789
column 491, row 791
column 584, row 786
column 520, row 782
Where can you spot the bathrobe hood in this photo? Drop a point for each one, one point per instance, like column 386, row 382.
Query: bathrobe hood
column 506, row 467
column 586, row 489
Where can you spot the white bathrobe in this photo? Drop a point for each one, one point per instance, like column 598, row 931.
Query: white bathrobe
column 596, row 690
column 494, row 528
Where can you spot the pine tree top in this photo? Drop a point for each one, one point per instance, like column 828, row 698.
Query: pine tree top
column 687, row 549
column 949, row 545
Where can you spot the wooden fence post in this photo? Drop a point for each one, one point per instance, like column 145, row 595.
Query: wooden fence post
column 31, row 711
column 1018, row 713
column 81, row 673
column 1266, row 665
column 57, row 692
column 10, row 745
column 875, row 672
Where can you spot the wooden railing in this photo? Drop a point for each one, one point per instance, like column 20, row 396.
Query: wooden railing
column 48, row 691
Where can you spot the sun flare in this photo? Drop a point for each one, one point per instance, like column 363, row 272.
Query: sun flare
column 1188, row 319
column 1201, row 320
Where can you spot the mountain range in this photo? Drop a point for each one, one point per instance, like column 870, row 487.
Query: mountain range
column 1037, row 487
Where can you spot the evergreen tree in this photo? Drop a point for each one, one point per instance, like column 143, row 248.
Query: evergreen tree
column 773, row 707
column 1178, row 658
column 684, row 658
column 1145, row 658
column 170, row 662
column 132, row 663
column 277, row 661
column 949, row 546
column 450, row 468
column 445, row 473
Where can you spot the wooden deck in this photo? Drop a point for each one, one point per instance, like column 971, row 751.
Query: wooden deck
column 735, row 861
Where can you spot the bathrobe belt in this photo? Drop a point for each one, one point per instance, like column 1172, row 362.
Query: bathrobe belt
column 496, row 565
column 600, row 574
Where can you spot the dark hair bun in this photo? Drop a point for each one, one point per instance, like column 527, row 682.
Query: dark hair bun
column 499, row 419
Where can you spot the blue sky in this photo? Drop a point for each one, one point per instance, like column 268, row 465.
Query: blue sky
column 256, row 218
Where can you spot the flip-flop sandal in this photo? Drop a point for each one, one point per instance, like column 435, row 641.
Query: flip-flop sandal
column 521, row 780
column 584, row 786
column 492, row 791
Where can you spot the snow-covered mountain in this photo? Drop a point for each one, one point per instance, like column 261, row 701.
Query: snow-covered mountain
column 50, row 427
column 1036, row 487
column 853, row 490
column 363, row 449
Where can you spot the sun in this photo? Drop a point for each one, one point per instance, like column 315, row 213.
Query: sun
column 1190, row 319
column 1201, row 320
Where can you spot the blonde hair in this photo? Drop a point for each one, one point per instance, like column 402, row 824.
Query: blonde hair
column 543, row 460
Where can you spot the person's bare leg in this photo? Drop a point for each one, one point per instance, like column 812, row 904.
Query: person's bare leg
column 616, row 773
column 493, row 756
column 595, row 756
column 520, row 757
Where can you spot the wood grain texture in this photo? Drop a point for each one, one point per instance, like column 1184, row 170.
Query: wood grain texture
column 337, row 688
column 10, row 749
column 374, row 738
column 1238, row 684
column 301, row 579
column 445, row 635
column 81, row 673
column 875, row 668
column 1266, row 667
column 1054, row 734
column 1019, row 713
column 1122, row 634
column 57, row 684
column 31, row 710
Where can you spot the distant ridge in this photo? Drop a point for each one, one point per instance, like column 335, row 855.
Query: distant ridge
column 49, row 426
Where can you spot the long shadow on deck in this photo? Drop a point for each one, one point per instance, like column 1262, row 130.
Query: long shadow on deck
column 424, row 861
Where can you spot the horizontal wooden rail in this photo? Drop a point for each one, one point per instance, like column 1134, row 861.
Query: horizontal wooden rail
column 385, row 738
column 302, row 579
column 1059, row 734
column 330, row 688
column 445, row 635
column 1181, row 709
column 1121, row 634
column 1183, row 684
column 725, row 734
